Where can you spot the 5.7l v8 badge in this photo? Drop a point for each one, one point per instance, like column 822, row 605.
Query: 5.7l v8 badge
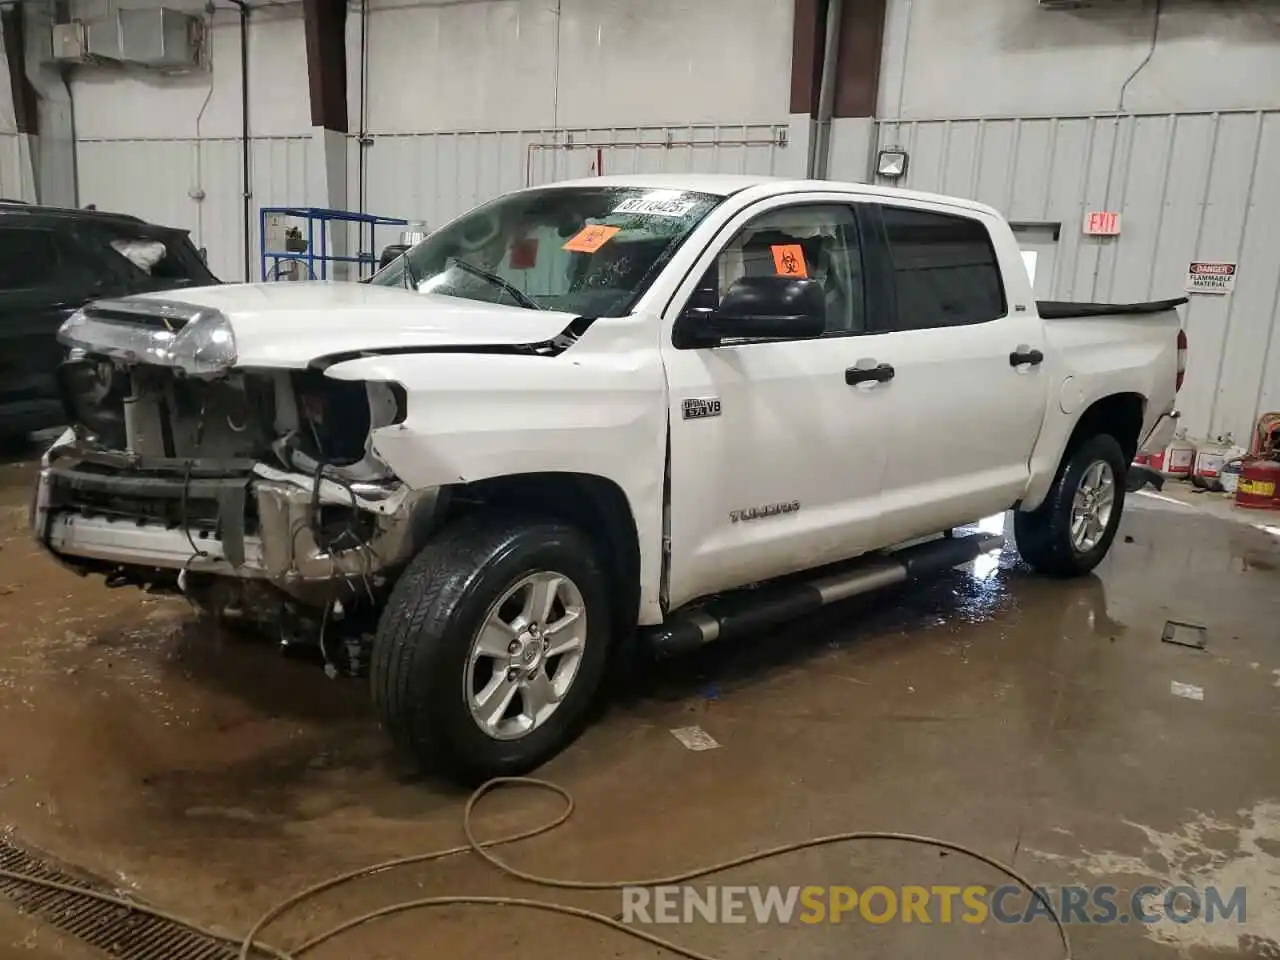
column 697, row 408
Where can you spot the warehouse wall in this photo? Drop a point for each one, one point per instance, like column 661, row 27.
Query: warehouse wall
column 468, row 100
column 11, row 185
column 458, row 93
column 1188, row 161
column 112, row 103
column 15, row 162
column 1011, row 58
column 530, row 64
column 1188, row 187
column 151, row 144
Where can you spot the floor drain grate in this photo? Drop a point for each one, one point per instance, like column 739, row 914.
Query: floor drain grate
column 1185, row 634
column 124, row 934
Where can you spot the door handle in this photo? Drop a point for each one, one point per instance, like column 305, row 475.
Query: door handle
column 881, row 374
column 1019, row 357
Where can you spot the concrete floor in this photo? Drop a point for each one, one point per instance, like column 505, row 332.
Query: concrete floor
column 1032, row 720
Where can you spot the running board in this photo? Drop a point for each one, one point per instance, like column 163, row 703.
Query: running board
column 749, row 611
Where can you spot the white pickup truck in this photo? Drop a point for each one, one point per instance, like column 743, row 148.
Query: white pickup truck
column 628, row 410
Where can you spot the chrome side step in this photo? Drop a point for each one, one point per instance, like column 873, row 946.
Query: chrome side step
column 749, row 611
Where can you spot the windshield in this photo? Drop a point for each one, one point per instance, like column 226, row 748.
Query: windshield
column 586, row 250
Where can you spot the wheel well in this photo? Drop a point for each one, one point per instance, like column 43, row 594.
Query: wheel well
column 594, row 505
column 1119, row 415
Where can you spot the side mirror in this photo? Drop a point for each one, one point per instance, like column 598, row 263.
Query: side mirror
column 390, row 252
column 768, row 307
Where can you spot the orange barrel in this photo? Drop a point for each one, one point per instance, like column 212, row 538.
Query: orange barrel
column 1259, row 485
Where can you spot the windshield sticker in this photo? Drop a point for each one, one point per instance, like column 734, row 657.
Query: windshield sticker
column 590, row 238
column 788, row 260
column 656, row 206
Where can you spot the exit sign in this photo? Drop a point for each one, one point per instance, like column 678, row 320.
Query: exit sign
column 1101, row 223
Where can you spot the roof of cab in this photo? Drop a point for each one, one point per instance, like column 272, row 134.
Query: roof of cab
column 723, row 185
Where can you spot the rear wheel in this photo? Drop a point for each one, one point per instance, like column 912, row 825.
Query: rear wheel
column 1070, row 533
column 492, row 647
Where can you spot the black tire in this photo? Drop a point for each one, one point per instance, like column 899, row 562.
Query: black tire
column 1044, row 534
column 423, row 642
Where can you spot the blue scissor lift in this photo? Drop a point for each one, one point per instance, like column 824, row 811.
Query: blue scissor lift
column 313, row 224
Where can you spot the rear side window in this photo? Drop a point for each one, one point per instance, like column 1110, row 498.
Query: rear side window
column 944, row 269
column 164, row 258
column 29, row 258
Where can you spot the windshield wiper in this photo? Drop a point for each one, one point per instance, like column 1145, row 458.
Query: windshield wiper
column 408, row 279
column 517, row 294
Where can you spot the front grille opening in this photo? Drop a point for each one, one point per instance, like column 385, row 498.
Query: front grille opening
column 151, row 321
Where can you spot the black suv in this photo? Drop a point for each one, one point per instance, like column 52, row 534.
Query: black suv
column 53, row 261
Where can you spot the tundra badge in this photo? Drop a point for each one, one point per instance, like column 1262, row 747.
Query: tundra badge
column 768, row 510
column 696, row 409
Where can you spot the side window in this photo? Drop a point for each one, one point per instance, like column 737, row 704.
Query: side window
column 944, row 269
column 148, row 255
column 29, row 258
column 816, row 241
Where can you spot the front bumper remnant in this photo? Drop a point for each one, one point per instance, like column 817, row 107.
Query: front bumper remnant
column 260, row 524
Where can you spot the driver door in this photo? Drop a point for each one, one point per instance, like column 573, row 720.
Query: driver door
column 776, row 460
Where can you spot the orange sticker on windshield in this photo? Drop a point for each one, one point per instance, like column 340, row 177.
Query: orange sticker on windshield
column 788, row 260
column 591, row 238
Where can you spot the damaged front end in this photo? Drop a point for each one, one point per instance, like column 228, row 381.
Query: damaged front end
column 250, row 490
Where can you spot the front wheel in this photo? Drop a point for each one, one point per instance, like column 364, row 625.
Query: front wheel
column 1070, row 533
column 492, row 647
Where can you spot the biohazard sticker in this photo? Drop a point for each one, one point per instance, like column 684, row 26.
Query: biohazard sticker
column 788, row 260
column 590, row 238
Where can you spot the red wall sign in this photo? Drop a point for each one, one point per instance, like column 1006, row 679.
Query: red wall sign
column 1101, row 223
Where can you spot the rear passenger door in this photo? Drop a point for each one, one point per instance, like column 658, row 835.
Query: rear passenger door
column 969, row 387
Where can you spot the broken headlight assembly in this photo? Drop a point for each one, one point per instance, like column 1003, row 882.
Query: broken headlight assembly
column 197, row 340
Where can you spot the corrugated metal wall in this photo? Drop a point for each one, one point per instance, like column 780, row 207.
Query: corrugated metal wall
column 12, row 186
column 154, row 179
column 423, row 176
column 436, row 176
column 1189, row 187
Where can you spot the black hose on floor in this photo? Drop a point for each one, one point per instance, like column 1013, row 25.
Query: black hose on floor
column 251, row 942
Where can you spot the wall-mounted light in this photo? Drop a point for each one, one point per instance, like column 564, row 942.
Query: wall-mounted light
column 892, row 163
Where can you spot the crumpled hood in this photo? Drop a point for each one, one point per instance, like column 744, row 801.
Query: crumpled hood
column 291, row 323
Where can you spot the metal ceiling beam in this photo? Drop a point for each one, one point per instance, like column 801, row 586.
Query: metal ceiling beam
column 857, row 50
column 25, row 110
column 835, row 74
column 327, row 62
column 860, row 46
column 806, row 55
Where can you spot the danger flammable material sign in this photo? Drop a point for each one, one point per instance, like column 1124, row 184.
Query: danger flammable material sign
column 1211, row 277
